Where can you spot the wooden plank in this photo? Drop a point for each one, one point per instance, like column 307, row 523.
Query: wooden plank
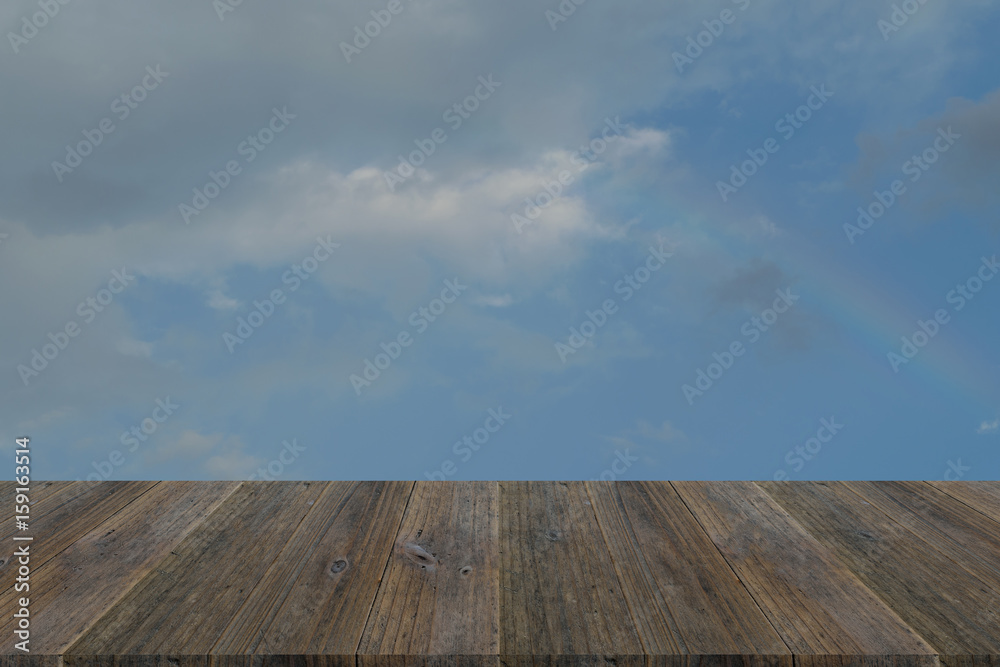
column 816, row 604
column 967, row 537
column 559, row 594
column 630, row 574
column 970, row 660
column 62, row 509
column 983, row 497
column 186, row 602
column 58, row 520
column 50, row 497
column 207, row 661
column 37, row 492
column 781, row 660
column 439, row 596
column 685, row 597
column 576, row 660
column 70, row 592
column 951, row 609
column 137, row 661
column 316, row 596
column 23, row 660
column 430, row 661
column 867, row 661
column 264, row 660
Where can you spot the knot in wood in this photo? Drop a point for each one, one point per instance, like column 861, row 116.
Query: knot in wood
column 417, row 555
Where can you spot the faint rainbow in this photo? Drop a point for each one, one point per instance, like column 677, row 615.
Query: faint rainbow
column 878, row 319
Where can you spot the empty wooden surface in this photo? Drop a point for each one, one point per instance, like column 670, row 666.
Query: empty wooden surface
column 399, row 574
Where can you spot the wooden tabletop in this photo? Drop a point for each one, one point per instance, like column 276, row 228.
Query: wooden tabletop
column 507, row 573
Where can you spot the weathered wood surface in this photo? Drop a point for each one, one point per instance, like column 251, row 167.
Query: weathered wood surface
column 439, row 595
column 559, row 594
column 954, row 610
column 785, row 568
column 86, row 579
column 685, row 595
column 435, row 574
column 318, row 593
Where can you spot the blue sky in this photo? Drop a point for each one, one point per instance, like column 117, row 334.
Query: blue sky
column 564, row 173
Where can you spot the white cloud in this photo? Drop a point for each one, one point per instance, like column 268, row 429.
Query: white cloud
column 665, row 432
column 220, row 457
column 219, row 301
column 500, row 301
column 989, row 427
column 233, row 463
column 648, row 441
column 134, row 348
column 188, row 445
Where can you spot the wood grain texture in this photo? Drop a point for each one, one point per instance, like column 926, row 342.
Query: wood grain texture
column 723, row 660
column 30, row 661
column 476, row 574
column 279, row 661
column 439, row 595
column 969, row 538
column 867, row 661
column 186, row 602
column 683, row 594
column 559, row 593
column 429, row 661
column 74, row 589
column 983, row 497
column 137, row 661
column 786, row 569
column 62, row 517
column 970, row 660
column 318, row 593
column 939, row 599
column 37, row 492
column 209, row 661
